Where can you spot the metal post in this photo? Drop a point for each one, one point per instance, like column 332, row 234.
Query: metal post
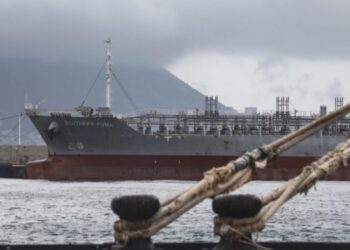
column 216, row 109
column 206, row 105
column 19, row 129
column 211, row 101
column 109, row 70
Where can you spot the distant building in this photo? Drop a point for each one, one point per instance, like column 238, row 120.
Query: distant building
column 251, row 110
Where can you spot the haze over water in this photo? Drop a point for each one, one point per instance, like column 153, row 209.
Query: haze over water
column 38, row 212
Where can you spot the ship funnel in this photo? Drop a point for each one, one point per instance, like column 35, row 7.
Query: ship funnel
column 323, row 110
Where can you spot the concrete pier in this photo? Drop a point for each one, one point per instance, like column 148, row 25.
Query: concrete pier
column 13, row 158
column 19, row 155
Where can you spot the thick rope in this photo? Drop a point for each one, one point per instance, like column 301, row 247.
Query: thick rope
column 220, row 180
column 246, row 240
column 319, row 169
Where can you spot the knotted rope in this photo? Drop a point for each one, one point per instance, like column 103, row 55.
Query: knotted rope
column 220, row 180
column 329, row 163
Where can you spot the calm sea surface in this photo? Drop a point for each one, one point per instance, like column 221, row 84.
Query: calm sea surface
column 38, row 212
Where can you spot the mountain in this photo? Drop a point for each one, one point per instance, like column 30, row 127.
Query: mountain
column 62, row 86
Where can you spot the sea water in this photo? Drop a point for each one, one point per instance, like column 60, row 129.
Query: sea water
column 45, row 212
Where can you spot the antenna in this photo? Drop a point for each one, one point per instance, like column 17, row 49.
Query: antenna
column 109, row 70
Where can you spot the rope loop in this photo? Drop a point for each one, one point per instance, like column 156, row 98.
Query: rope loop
column 236, row 228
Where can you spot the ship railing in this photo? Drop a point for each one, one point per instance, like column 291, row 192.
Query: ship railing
column 233, row 126
column 232, row 133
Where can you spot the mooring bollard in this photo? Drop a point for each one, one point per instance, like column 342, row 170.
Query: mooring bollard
column 136, row 208
column 235, row 207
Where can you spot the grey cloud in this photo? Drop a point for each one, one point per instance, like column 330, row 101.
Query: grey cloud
column 272, row 68
column 335, row 89
column 158, row 31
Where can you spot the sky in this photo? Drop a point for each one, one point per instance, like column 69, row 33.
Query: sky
column 246, row 52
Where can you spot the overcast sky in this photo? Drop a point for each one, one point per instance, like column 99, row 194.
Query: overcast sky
column 246, row 52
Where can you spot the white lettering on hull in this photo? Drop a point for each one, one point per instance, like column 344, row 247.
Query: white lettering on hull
column 75, row 146
column 88, row 124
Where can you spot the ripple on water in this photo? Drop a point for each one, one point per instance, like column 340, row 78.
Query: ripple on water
column 39, row 212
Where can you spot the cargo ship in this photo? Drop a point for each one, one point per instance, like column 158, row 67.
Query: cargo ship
column 95, row 144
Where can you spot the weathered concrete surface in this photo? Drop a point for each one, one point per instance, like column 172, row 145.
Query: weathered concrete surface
column 19, row 155
column 188, row 246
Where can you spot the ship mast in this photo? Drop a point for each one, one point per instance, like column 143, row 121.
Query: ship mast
column 109, row 70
